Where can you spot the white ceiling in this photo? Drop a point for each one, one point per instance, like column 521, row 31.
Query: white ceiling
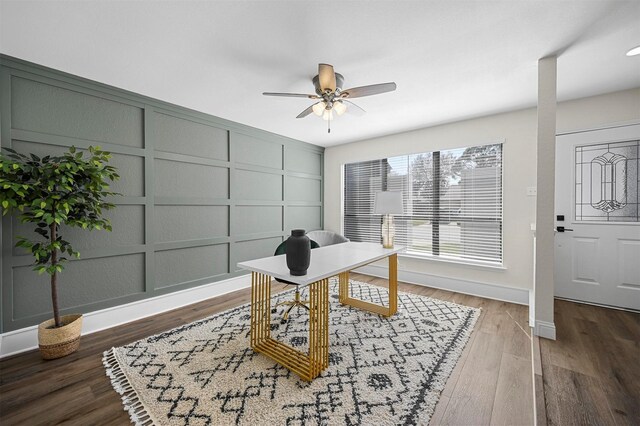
column 450, row 59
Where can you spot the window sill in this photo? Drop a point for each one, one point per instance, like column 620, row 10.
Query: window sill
column 466, row 263
column 594, row 222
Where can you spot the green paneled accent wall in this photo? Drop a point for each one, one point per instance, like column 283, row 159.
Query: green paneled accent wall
column 199, row 193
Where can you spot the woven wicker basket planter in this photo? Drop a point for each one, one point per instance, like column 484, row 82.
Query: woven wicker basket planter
column 58, row 342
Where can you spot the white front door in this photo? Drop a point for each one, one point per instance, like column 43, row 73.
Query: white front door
column 597, row 257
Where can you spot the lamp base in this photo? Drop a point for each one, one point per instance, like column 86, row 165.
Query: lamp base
column 388, row 231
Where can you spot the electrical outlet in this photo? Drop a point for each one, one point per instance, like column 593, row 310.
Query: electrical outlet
column 532, row 191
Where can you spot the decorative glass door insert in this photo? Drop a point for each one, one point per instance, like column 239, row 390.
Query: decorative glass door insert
column 607, row 182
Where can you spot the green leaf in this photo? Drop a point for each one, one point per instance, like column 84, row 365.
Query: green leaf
column 68, row 189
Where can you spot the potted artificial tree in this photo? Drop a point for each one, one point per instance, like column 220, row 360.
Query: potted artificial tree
column 50, row 192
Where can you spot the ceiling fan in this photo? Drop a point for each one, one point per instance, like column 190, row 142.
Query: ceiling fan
column 332, row 98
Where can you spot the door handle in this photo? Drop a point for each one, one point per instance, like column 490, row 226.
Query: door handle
column 562, row 229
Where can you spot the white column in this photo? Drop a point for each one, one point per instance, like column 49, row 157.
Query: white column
column 546, row 154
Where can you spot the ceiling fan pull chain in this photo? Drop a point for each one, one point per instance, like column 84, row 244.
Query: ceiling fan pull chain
column 329, row 125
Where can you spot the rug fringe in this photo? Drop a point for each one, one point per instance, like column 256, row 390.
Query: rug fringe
column 130, row 400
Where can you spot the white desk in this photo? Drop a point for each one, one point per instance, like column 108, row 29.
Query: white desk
column 326, row 262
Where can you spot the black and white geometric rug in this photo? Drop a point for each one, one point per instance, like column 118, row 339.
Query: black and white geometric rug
column 382, row 371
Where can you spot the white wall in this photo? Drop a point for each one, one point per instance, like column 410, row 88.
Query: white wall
column 599, row 111
column 518, row 132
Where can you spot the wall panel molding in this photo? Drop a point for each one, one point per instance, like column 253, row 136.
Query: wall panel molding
column 185, row 170
column 36, row 71
column 25, row 339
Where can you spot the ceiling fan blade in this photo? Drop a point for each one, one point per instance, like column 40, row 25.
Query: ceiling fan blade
column 306, row 112
column 374, row 89
column 327, row 77
column 357, row 110
column 291, row 95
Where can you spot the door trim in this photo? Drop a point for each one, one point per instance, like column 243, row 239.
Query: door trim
column 603, row 127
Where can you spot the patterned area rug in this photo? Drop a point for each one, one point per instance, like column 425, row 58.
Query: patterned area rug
column 382, row 371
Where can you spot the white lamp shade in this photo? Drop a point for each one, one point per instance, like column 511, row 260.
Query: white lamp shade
column 388, row 202
column 339, row 107
column 318, row 108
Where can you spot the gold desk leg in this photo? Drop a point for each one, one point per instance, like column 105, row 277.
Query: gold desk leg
column 260, row 308
column 319, row 326
column 307, row 366
column 393, row 284
column 343, row 290
column 345, row 299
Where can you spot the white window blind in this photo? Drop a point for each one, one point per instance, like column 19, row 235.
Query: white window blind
column 452, row 202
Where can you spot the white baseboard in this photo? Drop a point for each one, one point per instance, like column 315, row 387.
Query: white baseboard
column 532, row 308
column 25, row 339
column 473, row 288
column 545, row 329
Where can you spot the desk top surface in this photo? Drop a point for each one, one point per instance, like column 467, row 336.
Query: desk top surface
column 325, row 261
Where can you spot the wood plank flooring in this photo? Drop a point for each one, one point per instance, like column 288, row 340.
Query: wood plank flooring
column 591, row 373
column 491, row 384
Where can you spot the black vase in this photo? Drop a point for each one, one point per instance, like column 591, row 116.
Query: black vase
column 298, row 252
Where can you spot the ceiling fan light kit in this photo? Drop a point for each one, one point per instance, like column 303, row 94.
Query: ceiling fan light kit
column 318, row 108
column 339, row 107
column 330, row 96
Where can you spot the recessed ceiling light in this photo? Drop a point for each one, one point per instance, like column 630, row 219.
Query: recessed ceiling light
column 633, row 52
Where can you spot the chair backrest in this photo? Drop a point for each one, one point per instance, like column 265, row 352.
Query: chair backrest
column 327, row 238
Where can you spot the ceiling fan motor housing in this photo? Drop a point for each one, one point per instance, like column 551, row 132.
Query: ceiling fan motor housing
column 339, row 82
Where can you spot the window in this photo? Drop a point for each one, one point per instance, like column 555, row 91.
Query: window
column 608, row 182
column 452, row 202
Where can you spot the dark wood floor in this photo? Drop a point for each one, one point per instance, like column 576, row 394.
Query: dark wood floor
column 591, row 373
column 491, row 383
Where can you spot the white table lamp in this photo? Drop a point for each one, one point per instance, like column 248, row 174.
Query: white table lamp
column 388, row 203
